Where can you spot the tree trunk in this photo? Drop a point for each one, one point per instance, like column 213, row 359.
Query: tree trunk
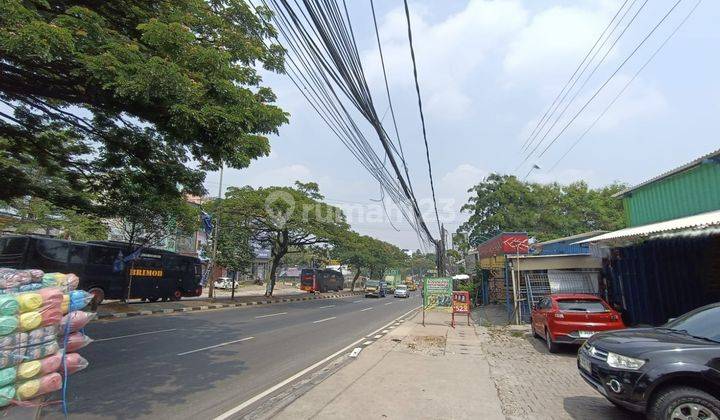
column 280, row 248
column 352, row 286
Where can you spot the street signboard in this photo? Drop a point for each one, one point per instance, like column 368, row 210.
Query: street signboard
column 437, row 293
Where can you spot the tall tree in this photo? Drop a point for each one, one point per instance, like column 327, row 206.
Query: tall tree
column 30, row 215
column 545, row 211
column 285, row 220
column 95, row 95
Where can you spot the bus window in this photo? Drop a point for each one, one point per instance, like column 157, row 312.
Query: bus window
column 12, row 251
column 77, row 254
column 103, row 256
column 54, row 251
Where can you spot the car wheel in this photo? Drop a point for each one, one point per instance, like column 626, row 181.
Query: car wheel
column 177, row 295
column 98, row 294
column 551, row 345
column 152, row 299
column 535, row 333
column 683, row 402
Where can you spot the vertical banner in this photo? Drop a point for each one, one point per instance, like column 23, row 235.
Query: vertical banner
column 437, row 293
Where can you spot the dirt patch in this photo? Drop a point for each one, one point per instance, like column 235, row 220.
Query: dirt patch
column 432, row 345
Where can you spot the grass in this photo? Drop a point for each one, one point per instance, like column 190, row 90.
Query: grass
column 517, row 334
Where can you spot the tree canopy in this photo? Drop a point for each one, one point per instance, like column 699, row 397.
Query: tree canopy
column 101, row 98
column 545, row 211
column 284, row 219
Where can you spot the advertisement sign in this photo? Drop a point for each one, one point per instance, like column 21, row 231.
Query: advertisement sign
column 504, row 244
column 460, row 305
column 437, row 293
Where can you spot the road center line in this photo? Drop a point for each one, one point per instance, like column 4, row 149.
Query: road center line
column 266, row 316
column 258, row 397
column 328, row 306
column 133, row 335
column 358, row 301
column 216, row 346
column 323, row 320
column 389, row 303
column 366, row 309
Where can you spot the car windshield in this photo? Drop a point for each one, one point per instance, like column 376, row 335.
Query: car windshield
column 372, row 283
column 702, row 322
column 581, row 305
column 402, row 287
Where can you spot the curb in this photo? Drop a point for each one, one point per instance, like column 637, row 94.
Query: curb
column 118, row 315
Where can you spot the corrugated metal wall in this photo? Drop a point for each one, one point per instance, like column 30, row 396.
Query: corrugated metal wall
column 664, row 278
column 685, row 194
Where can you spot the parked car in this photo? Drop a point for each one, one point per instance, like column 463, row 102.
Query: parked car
column 402, row 291
column 572, row 319
column 225, row 283
column 375, row 288
column 669, row 372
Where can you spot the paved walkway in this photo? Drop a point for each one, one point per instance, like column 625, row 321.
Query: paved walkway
column 413, row 372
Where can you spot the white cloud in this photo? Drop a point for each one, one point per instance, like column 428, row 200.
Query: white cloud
column 454, row 185
column 448, row 53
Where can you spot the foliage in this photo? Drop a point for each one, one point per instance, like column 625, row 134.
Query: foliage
column 36, row 216
column 367, row 254
column 419, row 264
column 98, row 96
column 284, row 219
column 545, row 211
column 154, row 220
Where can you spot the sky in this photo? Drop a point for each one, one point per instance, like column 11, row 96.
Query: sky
column 488, row 71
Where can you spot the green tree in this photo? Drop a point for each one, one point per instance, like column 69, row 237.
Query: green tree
column 150, row 223
column 419, row 263
column 99, row 94
column 367, row 254
column 545, row 211
column 284, row 219
column 34, row 215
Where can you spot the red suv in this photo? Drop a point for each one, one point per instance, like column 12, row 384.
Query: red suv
column 572, row 318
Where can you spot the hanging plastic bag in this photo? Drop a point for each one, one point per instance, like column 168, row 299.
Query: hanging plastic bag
column 8, row 324
column 77, row 319
column 7, row 393
column 76, row 341
column 7, row 376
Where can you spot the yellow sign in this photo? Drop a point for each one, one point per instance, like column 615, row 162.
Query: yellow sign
column 144, row 272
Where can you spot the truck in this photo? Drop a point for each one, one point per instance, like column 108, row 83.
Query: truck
column 392, row 279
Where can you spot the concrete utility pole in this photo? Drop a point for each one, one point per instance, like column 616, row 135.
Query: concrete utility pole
column 216, row 236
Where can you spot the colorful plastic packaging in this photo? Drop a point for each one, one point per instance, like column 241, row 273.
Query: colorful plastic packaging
column 77, row 319
column 8, row 324
column 7, row 376
column 7, row 393
column 36, row 387
column 9, row 305
column 76, row 341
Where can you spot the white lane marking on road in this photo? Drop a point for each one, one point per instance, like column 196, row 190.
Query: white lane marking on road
column 258, row 397
column 133, row 335
column 376, row 336
column 267, row 316
column 366, row 309
column 385, row 331
column 328, row 306
column 323, row 320
column 358, row 301
column 367, row 343
column 389, row 303
column 216, row 346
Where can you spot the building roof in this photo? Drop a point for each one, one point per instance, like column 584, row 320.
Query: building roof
column 574, row 237
column 685, row 167
column 698, row 221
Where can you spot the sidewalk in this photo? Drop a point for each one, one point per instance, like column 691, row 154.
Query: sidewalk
column 412, row 372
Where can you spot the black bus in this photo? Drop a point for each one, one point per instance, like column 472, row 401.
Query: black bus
column 108, row 269
column 321, row 280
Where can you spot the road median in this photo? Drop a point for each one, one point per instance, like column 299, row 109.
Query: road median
column 117, row 310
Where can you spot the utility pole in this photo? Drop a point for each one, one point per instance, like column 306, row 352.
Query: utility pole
column 216, row 236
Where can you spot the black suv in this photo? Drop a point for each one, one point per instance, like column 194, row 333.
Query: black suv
column 669, row 372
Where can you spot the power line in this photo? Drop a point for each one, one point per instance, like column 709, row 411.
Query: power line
column 527, row 141
column 588, row 78
column 422, row 115
column 610, row 78
column 637, row 73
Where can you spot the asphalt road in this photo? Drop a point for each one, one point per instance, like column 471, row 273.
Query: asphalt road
column 200, row 365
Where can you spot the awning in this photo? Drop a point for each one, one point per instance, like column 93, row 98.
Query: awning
column 699, row 221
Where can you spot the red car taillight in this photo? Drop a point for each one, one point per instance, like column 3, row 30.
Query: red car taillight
column 613, row 317
column 559, row 315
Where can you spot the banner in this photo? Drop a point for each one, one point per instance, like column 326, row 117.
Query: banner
column 437, row 293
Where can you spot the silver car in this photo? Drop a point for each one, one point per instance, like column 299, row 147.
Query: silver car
column 402, row 291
